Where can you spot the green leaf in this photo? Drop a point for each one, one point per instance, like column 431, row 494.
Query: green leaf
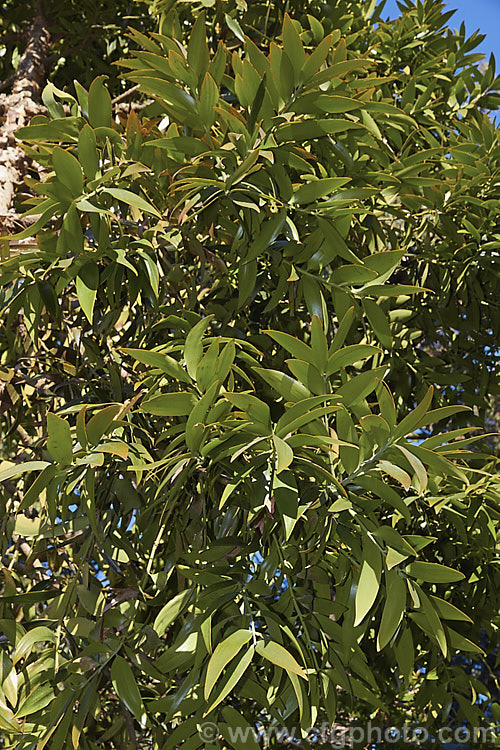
column 243, row 739
column 170, row 404
column 286, row 386
column 197, row 53
column 39, row 698
column 396, row 472
column 126, row 688
column 313, row 191
column 438, row 463
column 172, row 95
column 233, row 24
column 433, row 572
column 255, row 409
column 316, row 59
column 100, row 423
column 171, row 611
column 209, row 98
column 99, row 103
column 193, row 348
column 416, row 417
column 448, row 611
column 430, row 619
column 232, row 679
column 284, row 454
column 32, row 494
column 161, row 361
column 277, row 654
column 36, row 635
column 307, row 374
column 349, row 355
column 343, row 330
column 224, row 652
column 394, row 608
column 87, row 152
column 268, row 233
column 59, row 444
column 337, row 104
column 461, row 643
column 247, row 276
column 379, row 322
column 31, row 597
column 319, row 344
column 435, row 415
column 87, row 283
column 131, row 199
column 195, row 426
column 417, row 467
column 358, row 387
column 368, row 583
column 302, row 412
column 293, row 44
column 293, row 345
column 68, row 170
column 19, row 469
column 386, row 403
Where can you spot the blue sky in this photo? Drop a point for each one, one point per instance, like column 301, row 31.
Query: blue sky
column 477, row 14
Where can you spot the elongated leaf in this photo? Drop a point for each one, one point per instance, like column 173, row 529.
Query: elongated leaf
column 433, row 572
column 277, row 654
column 59, row 443
column 126, row 688
column 284, row 454
column 233, row 678
column 462, row 643
column 39, row 698
column 349, row 355
column 416, row 417
column 36, row 635
column 286, row 386
column 379, row 322
column 170, row 404
column 313, row 191
column 100, row 423
column 87, row 152
column 19, row 469
column 132, row 199
column 417, row 467
column 448, row 611
column 68, row 170
column 31, row 597
column 99, row 103
column 198, row 55
column 293, row 345
column 358, row 387
column 170, row 611
column 369, row 582
column 87, row 283
column 193, row 348
column 163, row 362
column 224, row 652
column 396, row 472
column 394, row 608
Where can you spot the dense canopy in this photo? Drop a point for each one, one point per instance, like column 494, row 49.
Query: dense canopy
column 247, row 360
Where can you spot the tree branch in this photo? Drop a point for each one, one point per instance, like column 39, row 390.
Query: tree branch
column 17, row 107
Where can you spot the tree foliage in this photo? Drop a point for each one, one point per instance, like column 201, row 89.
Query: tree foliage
column 247, row 348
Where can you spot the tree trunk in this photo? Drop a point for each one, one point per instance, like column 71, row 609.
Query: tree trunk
column 16, row 109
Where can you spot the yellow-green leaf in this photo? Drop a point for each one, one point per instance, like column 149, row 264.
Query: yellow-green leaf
column 277, row 654
column 59, row 444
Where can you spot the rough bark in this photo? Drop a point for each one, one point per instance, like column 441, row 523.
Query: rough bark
column 16, row 108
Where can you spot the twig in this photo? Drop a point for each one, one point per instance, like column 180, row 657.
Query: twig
column 125, row 94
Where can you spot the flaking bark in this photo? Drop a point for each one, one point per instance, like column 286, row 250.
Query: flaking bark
column 16, row 109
